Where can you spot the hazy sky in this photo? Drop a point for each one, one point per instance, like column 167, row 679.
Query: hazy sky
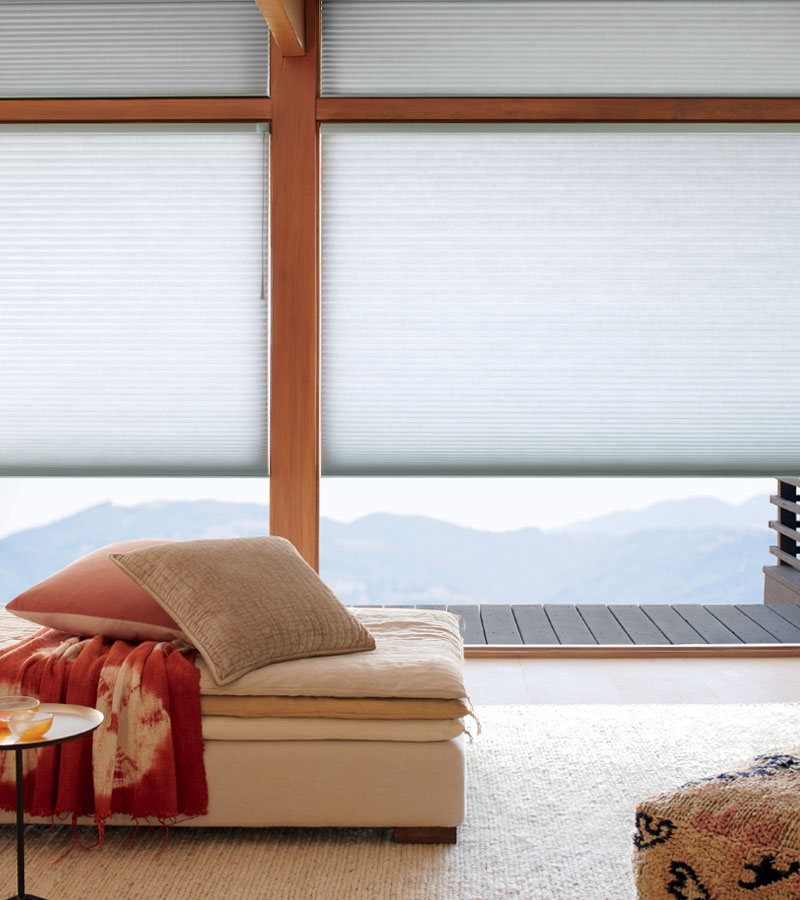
column 496, row 504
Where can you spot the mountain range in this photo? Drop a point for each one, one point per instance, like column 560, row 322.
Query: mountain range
column 693, row 512
column 690, row 551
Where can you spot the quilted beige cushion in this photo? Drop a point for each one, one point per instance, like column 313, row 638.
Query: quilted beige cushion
column 245, row 602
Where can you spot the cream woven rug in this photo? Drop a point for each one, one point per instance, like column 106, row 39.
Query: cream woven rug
column 552, row 790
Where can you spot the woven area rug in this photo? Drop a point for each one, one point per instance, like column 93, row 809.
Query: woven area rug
column 552, row 790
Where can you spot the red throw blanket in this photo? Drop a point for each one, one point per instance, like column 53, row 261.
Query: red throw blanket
column 145, row 760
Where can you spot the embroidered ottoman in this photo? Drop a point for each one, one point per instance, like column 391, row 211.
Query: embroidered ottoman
column 730, row 837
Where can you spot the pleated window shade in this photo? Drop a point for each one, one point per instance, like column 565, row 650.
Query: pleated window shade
column 560, row 47
column 581, row 300
column 132, row 48
column 133, row 313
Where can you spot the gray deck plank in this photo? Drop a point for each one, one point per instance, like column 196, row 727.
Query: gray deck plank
column 742, row 626
column 499, row 625
column 641, row 629
column 533, row 624
column 621, row 624
column 605, row 628
column 676, row 628
column 471, row 625
column 568, row 625
column 788, row 611
column 770, row 621
column 711, row 629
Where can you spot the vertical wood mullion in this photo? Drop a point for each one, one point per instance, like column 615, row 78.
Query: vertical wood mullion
column 294, row 402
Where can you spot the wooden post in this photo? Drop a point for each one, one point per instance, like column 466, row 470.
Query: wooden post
column 782, row 581
column 787, row 491
column 286, row 25
column 294, row 407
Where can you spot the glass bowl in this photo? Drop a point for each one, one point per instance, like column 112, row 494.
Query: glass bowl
column 30, row 725
column 11, row 705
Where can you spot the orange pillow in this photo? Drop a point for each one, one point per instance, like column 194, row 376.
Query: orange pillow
column 93, row 596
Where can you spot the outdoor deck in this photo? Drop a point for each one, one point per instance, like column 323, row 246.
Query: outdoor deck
column 626, row 624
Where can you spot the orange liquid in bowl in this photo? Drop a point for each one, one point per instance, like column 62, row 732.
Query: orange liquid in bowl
column 30, row 725
column 11, row 705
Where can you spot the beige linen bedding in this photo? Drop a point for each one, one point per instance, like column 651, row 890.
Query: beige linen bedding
column 13, row 628
column 418, row 653
column 386, row 708
column 231, row 728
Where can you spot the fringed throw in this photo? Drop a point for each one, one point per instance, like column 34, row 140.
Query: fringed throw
column 144, row 761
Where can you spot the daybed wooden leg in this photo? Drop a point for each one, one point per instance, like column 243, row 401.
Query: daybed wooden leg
column 426, row 835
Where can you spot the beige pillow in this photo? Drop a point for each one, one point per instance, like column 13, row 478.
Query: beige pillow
column 245, row 602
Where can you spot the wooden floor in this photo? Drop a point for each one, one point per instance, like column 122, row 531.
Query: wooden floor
column 626, row 624
column 695, row 680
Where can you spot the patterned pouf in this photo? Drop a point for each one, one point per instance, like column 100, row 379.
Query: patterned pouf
column 736, row 835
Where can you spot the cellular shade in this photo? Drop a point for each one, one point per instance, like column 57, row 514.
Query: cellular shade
column 560, row 47
column 568, row 300
column 132, row 48
column 132, row 301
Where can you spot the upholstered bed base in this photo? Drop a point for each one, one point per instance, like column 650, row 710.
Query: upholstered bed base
column 403, row 784
column 335, row 783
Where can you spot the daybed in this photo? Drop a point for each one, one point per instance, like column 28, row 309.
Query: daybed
column 369, row 739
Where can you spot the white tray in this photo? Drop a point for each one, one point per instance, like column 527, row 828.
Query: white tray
column 69, row 722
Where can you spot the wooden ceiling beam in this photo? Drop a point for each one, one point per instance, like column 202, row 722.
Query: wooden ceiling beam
column 286, row 20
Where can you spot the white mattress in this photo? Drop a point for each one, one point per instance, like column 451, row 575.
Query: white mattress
column 233, row 728
column 418, row 653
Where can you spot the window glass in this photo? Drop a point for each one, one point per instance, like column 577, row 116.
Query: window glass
column 458, row 541
column 548, row 300
column 551, row 48
column 133, row 300
column 132, row 48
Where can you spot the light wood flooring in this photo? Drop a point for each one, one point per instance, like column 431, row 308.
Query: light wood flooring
column 697, row 680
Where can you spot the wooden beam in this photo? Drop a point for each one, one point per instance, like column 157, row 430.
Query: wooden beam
column 790, row 506
column 151, row 109
column 559, row 109
column 286, row 20
column 786, row 558
column 294, row 407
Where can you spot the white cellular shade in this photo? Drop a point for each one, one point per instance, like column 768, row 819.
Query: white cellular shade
column 560, row 47
column 132, row 48
column 132, row 311
column 574, row 300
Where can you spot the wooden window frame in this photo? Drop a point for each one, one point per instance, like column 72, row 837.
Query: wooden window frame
column 295, row 111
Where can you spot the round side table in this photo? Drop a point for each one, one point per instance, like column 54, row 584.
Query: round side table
column 69, row 722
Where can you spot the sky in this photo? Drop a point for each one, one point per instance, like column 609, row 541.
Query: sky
column 490, row 504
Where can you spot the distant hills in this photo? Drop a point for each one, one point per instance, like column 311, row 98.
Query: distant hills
column 694, row 512
column 691, row 551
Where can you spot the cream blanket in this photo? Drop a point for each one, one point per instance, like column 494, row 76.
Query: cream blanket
column 418, row 653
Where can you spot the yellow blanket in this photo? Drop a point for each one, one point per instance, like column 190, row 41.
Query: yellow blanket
column 333, row 707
